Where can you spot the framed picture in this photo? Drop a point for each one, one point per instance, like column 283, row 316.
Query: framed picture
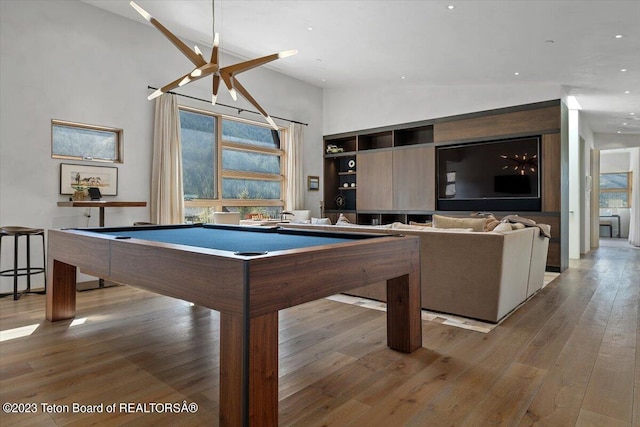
column 81, row 177
column 313, row 183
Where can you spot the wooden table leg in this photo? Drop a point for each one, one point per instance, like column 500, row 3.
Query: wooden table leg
column 249, row 370
column 61, row 291
column 404, row 322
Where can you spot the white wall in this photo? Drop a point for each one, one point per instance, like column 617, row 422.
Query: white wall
column 587, row 216
column 71, row 61
column 356, row 108
column 612, row 161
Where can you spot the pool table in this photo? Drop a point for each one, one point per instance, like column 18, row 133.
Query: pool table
column 248, row 274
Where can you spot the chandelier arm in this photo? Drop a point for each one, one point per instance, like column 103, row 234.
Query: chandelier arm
column 174, row 84
column 197, row 60
column 245, row 94
column 248, row 65
column 215, row 50
column 216, row 86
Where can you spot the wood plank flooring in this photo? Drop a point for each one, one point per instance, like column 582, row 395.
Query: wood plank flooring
column 568, row 357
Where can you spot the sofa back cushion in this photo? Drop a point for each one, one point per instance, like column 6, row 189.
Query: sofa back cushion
column 477, row 224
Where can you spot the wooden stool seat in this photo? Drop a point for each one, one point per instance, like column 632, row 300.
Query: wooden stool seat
column 15, row 272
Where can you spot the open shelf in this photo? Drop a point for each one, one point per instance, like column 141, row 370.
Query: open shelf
column 375, row 140
column 419, row 135
column 343, row 145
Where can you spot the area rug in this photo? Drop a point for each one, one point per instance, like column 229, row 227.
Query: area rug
column 430, row 316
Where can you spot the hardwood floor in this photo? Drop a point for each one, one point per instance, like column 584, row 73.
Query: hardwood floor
column 568, row 357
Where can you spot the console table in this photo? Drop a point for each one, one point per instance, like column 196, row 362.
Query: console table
column 613, row 216
column 100, row 204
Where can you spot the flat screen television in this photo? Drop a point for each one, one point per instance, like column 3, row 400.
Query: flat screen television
column 501, row 175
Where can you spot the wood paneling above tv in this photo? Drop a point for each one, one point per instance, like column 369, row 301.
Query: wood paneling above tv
column 541, row 120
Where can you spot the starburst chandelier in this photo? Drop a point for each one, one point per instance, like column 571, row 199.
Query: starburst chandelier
column 212, row 68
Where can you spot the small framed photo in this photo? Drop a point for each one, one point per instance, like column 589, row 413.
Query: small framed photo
column 80, row 177
column 313, row 183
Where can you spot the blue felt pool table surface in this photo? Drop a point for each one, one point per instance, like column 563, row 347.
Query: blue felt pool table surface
column 233, row 238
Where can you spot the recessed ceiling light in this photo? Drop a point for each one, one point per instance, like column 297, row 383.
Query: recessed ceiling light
column 516, row 74
column 623, row 69
column 624, row 124
column 618, row 36
column 632, row 114
column 310, row 28
column 403, row 77
column 627, row 91
column 451, row 7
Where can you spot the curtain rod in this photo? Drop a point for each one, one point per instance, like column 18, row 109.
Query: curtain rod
column 239, row 110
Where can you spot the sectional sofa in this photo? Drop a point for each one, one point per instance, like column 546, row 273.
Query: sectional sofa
column 475, row 274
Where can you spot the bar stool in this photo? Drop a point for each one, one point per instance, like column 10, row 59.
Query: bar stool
column 28, row 271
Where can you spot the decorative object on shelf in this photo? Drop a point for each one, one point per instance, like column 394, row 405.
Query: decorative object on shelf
column 75, row 178
column 353, row 185
column 79, row 193
column 345, row 185
column 522, row 164
column 204, row 68
column 313, row 183
column 333, row 149
column 284, row 213
column 351, row 164
column 340, row 201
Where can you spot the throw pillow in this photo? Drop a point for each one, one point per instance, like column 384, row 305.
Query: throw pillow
column 491, row 222
column 342, row 220
column 477, row 224
column 502, row 227
column 323, row 221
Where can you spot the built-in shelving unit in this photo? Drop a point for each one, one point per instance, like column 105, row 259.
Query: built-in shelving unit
column 344, row 152
column 383, row 175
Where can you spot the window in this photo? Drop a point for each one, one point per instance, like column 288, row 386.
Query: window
column 615, row 190
column 230, row 165
column 198, row 139
column 85, row 142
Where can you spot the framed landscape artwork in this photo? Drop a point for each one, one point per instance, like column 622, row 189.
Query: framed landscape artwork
column 313, row 183
column 81, row 177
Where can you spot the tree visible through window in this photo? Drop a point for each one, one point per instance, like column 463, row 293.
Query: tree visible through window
column 85, row 142
column 198, row 139
column 230, row 165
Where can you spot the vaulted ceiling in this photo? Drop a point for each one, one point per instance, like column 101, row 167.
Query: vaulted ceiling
column 590, row 49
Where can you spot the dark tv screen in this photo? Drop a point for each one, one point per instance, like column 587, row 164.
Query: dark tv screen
column 494, row 175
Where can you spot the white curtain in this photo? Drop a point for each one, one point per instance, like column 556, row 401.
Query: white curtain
column 634, row 224
column 295, row 186
column 167, row 198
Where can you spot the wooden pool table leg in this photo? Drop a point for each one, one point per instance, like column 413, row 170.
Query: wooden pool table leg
column 249, row 371
column 404, row 328
column 61, row 291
